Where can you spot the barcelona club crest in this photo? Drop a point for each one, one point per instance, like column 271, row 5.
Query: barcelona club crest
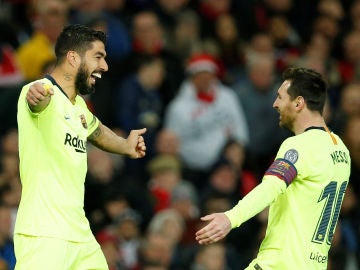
column 83, row 121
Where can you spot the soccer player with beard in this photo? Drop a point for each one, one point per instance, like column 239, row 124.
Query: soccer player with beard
column 304, row 186
column 51, row 230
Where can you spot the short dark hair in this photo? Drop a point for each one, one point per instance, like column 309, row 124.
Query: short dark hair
column 76, row 38
column 309, row 84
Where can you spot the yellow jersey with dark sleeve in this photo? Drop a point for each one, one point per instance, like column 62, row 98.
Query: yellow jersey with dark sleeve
column 53, row 166
column 304, row 187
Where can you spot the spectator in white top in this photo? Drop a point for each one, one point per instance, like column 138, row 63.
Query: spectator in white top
column 204, row 114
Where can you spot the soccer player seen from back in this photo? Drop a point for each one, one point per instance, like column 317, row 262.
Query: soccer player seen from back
column 54, row 123
column 304, row 186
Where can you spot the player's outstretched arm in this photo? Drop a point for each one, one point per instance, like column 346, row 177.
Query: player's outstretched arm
column 38, row 96
column 219, row 226
column 107, row 140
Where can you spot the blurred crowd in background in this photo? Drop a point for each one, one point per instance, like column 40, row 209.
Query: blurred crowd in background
column 201, row 76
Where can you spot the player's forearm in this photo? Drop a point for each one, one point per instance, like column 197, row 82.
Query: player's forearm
column 105, row 139
column 255, row 201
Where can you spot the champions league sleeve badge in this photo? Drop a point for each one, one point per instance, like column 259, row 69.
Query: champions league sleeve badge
column 83, row 121
column 291, row 155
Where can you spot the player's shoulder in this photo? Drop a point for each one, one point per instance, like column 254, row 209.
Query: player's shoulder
column 308, row 138
column 289, row 149
column 42, row 80
column 294, row 147
column 292, row 141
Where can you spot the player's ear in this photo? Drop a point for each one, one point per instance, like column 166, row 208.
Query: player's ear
column 73, row 58
column 299, row 102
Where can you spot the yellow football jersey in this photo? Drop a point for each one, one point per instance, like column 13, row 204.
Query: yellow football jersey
column 302, row 219
column 53, row 165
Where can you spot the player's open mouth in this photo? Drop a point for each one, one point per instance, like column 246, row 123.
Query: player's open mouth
column 95, row 75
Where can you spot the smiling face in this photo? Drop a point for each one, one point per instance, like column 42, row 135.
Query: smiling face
column 92, row 66
column 285, row 106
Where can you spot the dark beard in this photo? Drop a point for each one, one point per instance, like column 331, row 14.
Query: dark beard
column 81, row 81
column 287, row 126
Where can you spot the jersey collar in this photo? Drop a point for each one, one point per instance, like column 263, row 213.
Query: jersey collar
column 313, row 127
column 324, row 129
column 55, row 83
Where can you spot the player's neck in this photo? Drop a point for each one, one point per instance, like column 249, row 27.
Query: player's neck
column 66, row 81
column 305, row 121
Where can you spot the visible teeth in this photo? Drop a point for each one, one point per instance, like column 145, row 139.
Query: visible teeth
column 97, row 75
